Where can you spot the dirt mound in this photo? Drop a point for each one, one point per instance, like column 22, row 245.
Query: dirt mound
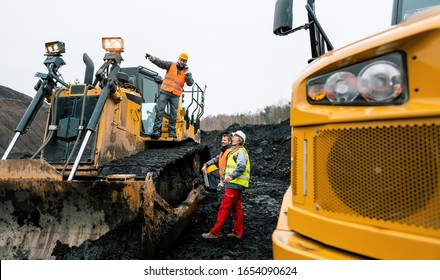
column 13, row 105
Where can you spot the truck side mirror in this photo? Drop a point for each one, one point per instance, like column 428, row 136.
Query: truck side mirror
column 283, row 17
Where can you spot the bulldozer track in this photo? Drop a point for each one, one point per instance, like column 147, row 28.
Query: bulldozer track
column 154, row 160
column 173, row 168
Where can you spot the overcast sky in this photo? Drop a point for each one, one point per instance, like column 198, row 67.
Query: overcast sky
column 230, row 43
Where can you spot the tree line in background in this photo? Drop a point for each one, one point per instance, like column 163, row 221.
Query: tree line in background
column 273, row 114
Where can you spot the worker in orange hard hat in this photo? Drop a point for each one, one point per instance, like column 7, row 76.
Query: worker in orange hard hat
column 170, row 91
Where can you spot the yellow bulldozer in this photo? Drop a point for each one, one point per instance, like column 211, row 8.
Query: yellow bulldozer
column 98, row 172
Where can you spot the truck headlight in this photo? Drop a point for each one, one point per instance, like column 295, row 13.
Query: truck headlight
column 378, row 81
column 341, row 87
column 113, row 44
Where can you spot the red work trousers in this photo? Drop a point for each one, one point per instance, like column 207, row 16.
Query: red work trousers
column 231, row 202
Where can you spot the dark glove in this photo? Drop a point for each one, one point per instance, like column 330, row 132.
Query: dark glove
column 147, row 55
column 187, row 72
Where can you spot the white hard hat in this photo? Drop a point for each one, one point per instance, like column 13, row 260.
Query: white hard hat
column 241, row 134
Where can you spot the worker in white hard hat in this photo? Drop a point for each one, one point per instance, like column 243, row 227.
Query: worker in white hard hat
column 237, row 174
column 170, row 91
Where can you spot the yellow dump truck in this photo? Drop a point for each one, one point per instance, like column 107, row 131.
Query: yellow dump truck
column 365, row 151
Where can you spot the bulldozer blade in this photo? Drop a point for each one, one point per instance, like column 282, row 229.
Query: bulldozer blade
column 44, row 219
column 28, row 169
column 39, row 215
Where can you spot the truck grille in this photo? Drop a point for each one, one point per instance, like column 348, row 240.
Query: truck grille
column 383, row 172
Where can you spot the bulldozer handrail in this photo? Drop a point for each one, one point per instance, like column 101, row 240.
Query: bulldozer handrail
column 199, row 105
column 202, row 111
column 196, row 90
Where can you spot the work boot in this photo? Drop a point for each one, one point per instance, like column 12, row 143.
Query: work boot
column 210, row 235
column 155, row 134
column 233, row 235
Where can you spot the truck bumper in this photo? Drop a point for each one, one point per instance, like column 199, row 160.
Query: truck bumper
column 289, row 245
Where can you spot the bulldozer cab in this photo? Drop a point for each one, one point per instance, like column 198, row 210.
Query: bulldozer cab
column 147, row 82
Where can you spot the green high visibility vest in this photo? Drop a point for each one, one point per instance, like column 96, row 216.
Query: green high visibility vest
column 231, row 165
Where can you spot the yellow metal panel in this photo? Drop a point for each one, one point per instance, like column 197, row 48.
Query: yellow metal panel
column 373, row 242
column 288, row 245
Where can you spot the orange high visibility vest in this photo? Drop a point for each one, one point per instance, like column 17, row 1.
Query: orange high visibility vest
column 174, row 82
column 222, row 162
